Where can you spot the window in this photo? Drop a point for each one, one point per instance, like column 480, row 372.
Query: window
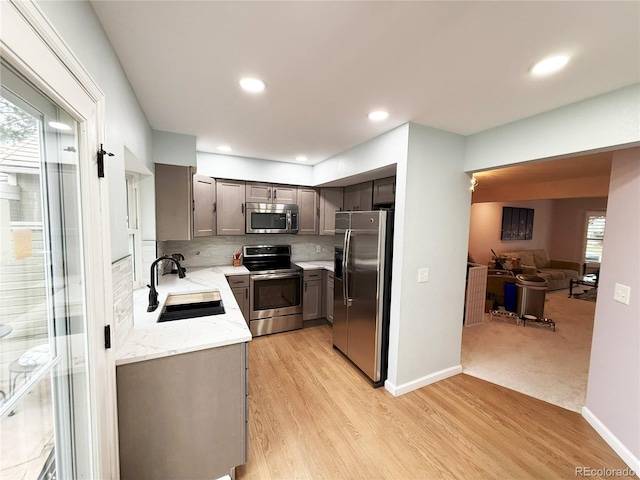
column 594, row 237
column 133, row 226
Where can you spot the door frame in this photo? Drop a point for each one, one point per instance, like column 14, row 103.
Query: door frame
column 31, row 45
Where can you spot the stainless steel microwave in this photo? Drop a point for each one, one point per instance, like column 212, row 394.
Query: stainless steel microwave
column 271, row 218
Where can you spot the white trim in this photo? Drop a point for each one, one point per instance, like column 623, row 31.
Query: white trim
column 422, row 382
column 627, row 456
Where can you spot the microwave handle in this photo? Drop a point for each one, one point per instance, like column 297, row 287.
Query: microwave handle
column 289, row 221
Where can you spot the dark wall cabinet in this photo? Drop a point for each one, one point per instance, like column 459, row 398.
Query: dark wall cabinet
column 358, row 197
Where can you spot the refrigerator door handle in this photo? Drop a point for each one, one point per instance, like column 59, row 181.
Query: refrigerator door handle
column 345, row 266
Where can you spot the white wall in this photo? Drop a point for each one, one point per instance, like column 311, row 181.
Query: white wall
column 383, row 151
column 613, row 389
column 126, row 123
column 591, row 125
column 597, row 123
column 253, row 169
column 431, row 231
column 174, row 148
column 486, row 225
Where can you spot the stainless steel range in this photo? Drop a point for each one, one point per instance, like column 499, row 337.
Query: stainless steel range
column 275, row 288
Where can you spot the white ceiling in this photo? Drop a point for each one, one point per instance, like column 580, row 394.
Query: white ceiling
column 456, row 66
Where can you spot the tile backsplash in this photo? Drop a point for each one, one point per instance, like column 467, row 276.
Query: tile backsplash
column 121, row 274
column 213, row 251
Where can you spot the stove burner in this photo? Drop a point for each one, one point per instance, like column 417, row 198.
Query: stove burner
column 268, row 259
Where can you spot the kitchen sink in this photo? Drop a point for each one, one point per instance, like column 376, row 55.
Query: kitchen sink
column 191, row 305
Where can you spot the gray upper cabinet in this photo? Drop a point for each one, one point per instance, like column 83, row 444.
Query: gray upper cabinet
column 384, row 191
column 271, row 193
column 230, row 197
column 358, row 197
column 204, row 206
column 309, row 211
column 330, row 203
column 173, row 202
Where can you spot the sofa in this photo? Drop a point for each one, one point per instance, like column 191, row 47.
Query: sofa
column 557, row 273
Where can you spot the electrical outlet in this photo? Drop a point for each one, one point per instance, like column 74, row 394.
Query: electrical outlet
column 318, row 248
column 423, row 275
column 621, row 293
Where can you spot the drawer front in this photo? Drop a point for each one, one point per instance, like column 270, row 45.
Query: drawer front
column 238, row 281
column 312, row 275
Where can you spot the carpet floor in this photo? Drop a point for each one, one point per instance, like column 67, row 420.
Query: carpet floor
column 535, row 360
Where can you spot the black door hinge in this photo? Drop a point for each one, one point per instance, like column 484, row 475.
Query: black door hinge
column 107, row 336
column 101, row 154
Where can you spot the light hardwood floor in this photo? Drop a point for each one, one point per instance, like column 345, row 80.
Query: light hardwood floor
column 313, row 415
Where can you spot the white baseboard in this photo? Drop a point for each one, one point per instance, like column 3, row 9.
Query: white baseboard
column 422, row 382
column 629, row 458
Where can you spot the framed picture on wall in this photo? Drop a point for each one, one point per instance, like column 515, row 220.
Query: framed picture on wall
column 517, row 223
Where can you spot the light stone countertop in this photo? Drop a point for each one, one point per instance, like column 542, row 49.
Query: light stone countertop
column 231, row 270
column 148, row 339
column 316, row 264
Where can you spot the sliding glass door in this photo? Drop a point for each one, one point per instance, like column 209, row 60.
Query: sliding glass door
column 45, row 425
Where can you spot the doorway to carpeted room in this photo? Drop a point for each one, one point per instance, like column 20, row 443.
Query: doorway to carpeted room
column 535, row 360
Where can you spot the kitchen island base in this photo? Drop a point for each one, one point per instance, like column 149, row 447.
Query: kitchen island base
column 184, row 416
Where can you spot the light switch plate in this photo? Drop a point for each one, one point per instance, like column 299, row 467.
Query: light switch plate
column 621, row 293
column 423, row 275
column 318, row 248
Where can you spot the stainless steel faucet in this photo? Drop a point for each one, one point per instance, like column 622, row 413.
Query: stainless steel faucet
column 153, row 293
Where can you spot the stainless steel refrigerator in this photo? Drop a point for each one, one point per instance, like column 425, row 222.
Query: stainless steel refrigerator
column 362, row 290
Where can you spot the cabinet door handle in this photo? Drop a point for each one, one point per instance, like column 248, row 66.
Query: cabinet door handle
column 275, row 193
column 215, row 207
column 318, row 209
column 269, row 194
column 246, row 293
column 242, row 208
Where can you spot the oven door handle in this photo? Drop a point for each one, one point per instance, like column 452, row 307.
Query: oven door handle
column 272, row 276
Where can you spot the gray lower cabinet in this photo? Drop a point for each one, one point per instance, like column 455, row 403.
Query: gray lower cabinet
column 329, row 296
column 312, row 295
column 184, row 416
column 230, row 198
column 240, row 287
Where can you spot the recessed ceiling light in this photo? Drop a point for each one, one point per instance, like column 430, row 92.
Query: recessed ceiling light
column 378, row 115
column 301, row 158
column 59, row 126
column 549, row 65
column 253, row 85
column 224, row 148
